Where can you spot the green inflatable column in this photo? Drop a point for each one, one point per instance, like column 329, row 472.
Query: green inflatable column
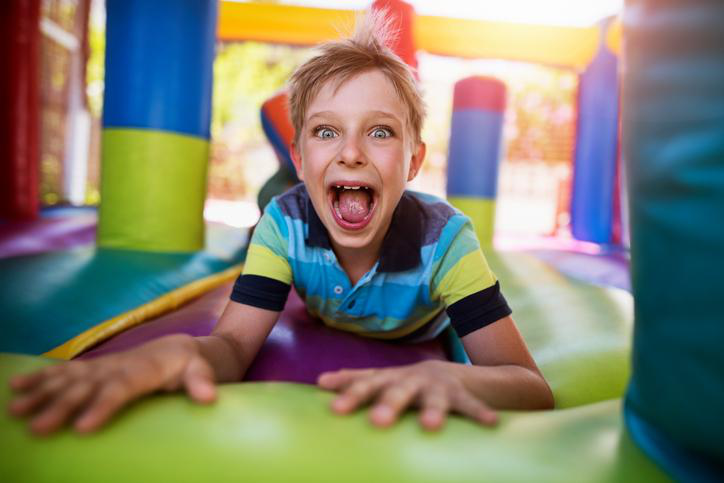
column 156, row 118
column 673, row 131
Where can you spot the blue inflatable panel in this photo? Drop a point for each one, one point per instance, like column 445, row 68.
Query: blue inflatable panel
column 474, row 153
column 596, row 151
column 159, row 58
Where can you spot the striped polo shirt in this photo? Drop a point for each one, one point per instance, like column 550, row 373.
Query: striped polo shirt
column 430, row 273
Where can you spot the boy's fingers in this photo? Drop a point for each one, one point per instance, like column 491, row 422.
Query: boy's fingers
column 39, row 395
column 433, row 419
column 336, row 380
column 395, row 399
column 434, row 405
column 25, row 404
column 111, row 398
column 198, row 380
column 475, row 409
column 59, row 410
column 358, row 393
column 23, row 382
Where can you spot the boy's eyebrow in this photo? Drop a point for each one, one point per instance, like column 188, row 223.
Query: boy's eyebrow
column 321, row 114
column 374, row 113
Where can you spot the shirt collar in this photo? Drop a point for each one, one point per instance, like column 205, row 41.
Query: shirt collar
column 402, row 243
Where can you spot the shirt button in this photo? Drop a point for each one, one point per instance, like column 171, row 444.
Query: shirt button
column 338, row 289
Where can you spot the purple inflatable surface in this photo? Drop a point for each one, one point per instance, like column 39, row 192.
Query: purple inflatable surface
column 47, row 234
column 607, row 270
column 298, row 349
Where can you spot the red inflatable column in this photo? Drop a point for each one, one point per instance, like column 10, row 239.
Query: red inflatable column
column 404, row 16
column 20, row 113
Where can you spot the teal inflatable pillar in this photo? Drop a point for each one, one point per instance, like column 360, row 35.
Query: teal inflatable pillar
column 673, row 131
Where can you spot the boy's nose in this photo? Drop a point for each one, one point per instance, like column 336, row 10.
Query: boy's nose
column 352, row 155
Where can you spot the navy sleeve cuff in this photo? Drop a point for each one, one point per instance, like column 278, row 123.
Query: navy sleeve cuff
column 478, row 310
column 262, row 292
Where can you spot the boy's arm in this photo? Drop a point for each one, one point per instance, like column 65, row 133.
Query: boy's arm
column 503, row 375
column 90, row 392
column 236, row 339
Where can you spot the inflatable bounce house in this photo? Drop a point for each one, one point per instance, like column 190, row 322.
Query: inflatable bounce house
column 638, row 376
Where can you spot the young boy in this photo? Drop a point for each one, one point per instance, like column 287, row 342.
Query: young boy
column 366, row 256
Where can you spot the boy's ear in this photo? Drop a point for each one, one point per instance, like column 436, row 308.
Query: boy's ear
column 296, row 159
column 418, row 156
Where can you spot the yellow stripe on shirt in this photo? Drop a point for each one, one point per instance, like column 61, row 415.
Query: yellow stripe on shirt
column 262, row 261
column 469, row 275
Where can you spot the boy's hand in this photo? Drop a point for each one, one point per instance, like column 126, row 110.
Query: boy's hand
column 432, row 386
column 90, row 392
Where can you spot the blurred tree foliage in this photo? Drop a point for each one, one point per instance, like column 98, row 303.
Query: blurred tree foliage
column 95, row 68
column 54, row 68
column 540, row 116
column 95, row 85
column 245, row 75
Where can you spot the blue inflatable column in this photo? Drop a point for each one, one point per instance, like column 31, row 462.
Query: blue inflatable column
column 156, row 123
column 475, row 151
column 673, row 131
column 596, row 148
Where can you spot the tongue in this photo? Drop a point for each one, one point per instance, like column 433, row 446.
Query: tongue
column 354, row 205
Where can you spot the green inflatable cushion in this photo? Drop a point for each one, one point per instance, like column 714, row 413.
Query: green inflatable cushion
column 578, row 334
column 285, row 432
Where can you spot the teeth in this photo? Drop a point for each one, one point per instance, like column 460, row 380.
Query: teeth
column 351, row 187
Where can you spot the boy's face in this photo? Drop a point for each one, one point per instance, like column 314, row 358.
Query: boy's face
column 356, row 135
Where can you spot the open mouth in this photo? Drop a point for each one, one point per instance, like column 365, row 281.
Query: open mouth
column 352, row 204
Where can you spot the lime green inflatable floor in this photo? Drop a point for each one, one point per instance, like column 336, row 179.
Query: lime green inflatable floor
column 285, row 432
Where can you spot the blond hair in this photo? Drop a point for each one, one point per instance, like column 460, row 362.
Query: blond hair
column 340, row 60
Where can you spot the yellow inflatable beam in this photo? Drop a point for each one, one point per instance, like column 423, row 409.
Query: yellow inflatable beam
column 572, row 47
column 155, row 308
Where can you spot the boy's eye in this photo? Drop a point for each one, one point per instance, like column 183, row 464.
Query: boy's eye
column 381, row 133
column 325, row 133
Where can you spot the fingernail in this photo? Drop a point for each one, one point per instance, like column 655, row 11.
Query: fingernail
column 340, row 404
column 383, row 413
column 82, row 425
column 15, row 407
column 207, row 392
column 490, row 418
column 432, row 420
column 39, row 426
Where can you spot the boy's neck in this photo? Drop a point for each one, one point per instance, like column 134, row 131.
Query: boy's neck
column 357, row 261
